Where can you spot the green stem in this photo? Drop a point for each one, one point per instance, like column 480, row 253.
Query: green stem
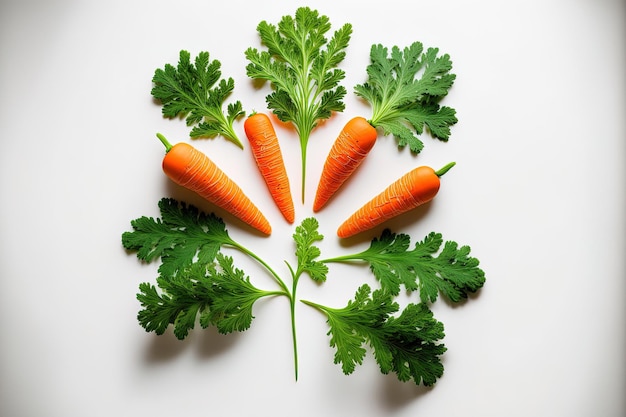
column 230, row 134
column 273, row 293
column 344, row 258
column 292, row 307
column 254, row 256
column 291, row 295
column 312, row 304
column 324, row 309
column 306, row 121
column 303, row 151
column 445, row 169
column 226, row 129
column 165, row 142
column 285, row 291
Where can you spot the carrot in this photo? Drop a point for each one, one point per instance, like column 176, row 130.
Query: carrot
column 192, row 169
column 353, row 144
column 413, row 189
column 269, row 159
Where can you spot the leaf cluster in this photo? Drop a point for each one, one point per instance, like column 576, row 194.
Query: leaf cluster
column 425, row 268
column 301, row 65
column 306, row 252
column 404, row 87
column 181, row 236
column 406, row 344
column 197, row 282
column 216, row 292
column 197, row 92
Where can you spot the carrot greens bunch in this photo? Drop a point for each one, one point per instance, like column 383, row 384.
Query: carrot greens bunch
column 197, row 92
column 198, row 282
column 404, row 88
column 301, row 65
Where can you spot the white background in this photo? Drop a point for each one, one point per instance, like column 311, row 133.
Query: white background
column 538, row 193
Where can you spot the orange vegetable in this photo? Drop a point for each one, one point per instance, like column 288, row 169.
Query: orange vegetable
column 190, row 168
column 353, row 144
column 269, row 159
column 413, row 189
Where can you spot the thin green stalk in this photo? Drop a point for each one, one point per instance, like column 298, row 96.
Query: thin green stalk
column 319, row 307
column 273, row 293
column 292, row 307
column 303, row 146
column 230, row 134
column 253, row 255
column 291, row 295
column 344, row 258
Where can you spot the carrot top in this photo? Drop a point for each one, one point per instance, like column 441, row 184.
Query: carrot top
column 404, row 89
column 190, row 90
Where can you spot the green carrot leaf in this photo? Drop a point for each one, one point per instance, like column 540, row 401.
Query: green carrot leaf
column 305, row 237
column 181, row 235
column 177, row 301
column 233, row 297
column 404, row 88
column 192, row 90
column 210, row 294
column 426, row 268
column 406, row 344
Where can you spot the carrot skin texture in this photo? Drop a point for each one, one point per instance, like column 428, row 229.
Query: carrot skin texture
column 417, row 187
column 192, row 169
column 353, row 144
column 269, row 159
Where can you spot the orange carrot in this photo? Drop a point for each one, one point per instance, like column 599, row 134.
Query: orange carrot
column 413, row 189
column 192, row 169
column 353, row 144
column 269, row 159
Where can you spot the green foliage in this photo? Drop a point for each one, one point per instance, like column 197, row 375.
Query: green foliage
column 216, row 292
column 301, row 65
column 452, row 272
column 198, row 283
column 180, row 236
column 177, row 300
column 195, row 91
column 305, row 236
column 404, row 88
column 406, row 344
column 232, row 298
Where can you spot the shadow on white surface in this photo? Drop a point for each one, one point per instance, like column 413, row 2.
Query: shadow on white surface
column 206, row 343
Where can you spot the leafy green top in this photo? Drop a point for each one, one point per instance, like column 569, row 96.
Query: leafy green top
column 195, row 277
column 405, row 344
column 301, row 65
column 182, row 235
column 217, row 293
column 405, row 88
column 305, row 236
column 189, row 90
column 453, row 272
